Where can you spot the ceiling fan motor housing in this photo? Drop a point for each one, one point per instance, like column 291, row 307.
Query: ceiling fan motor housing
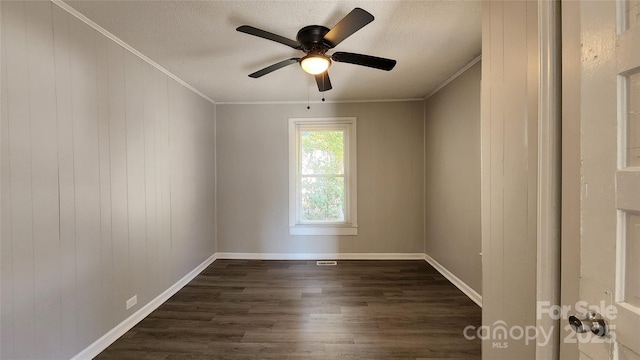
column 311, row 38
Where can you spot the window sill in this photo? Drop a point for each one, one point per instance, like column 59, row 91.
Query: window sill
column 346, row 230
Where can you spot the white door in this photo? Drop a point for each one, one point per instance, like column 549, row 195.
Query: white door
column 610, row 194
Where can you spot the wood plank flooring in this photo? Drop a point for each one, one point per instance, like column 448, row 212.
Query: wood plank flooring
column 239, row 309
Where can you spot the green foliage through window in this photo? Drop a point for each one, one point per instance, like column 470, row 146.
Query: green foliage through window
column 322, row 182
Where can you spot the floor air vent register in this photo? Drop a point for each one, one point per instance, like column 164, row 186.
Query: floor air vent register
column 326, row 263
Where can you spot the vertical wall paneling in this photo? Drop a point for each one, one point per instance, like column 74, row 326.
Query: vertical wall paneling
column 66, row 181
column 92, row 140
column 511, row 203
column 496, row 133
column 162, row 167
column 6, row 251
column 118, row 167
column 514, row 146
column 214, row 184
column 87, row 179
column 20, row 169
column 135, row 174
column 46, row 251
column 191, row 176
column 175, row 171
column 149, row 105
column 106, row 245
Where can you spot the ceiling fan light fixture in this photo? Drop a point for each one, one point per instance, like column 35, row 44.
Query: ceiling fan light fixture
column 315, row 64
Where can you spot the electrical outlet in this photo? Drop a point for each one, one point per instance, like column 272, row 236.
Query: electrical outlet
column 131, row 302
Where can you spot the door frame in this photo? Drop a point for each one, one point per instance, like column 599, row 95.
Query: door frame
column 548, row 267
column 571, row 165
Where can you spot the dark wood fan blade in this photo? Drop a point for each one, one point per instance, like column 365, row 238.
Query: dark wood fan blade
column 351, row 23
column 274, row 67
column 269, row 36
column 323, row 81
column 364, row 60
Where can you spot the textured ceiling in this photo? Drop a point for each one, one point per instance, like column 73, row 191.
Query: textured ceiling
column 197, row 41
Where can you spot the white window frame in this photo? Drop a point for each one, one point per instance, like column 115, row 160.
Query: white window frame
column 350, row 225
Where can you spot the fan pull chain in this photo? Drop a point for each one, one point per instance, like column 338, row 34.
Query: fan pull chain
column 308, row 106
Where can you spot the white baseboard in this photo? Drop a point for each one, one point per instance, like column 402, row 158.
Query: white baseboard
column 107, row 339
column 466, row 289
column 320, row 256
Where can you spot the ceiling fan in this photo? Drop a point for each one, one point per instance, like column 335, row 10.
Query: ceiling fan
column 315, row 41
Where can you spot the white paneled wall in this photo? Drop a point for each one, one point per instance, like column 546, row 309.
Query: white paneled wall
column 509, row 174
column 107, row 182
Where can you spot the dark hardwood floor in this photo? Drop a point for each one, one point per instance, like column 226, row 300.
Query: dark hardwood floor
column 238, row 309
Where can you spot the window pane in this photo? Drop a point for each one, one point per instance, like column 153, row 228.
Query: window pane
column 633, row 119
column 631, row 10
column 322, row 152
column 322, row 199
column 632, row 273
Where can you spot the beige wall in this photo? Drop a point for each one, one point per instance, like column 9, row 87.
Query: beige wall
column 108, row 171
column 252, row 150
column 452, row 178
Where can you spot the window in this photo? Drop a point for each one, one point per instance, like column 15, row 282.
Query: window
column 322, row 176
